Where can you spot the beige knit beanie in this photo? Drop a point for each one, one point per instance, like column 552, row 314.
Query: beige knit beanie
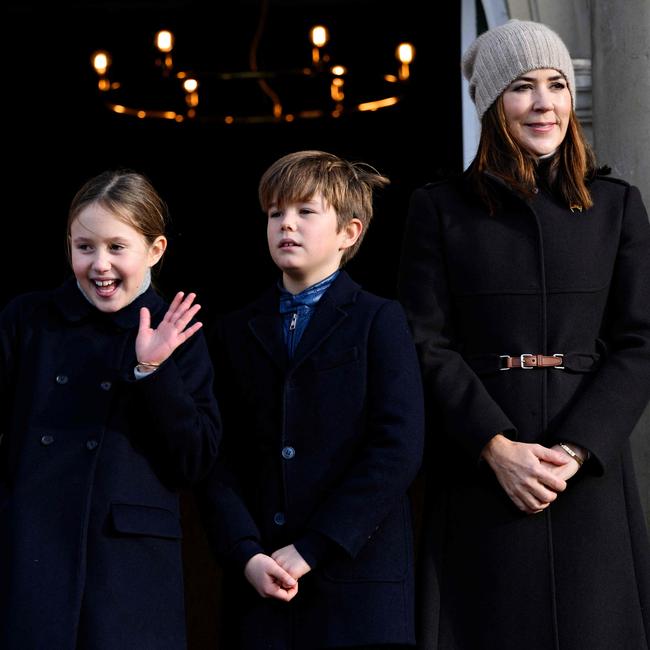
column 500, row 55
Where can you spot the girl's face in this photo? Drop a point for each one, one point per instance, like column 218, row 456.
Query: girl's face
column 110, row 258
column 537, row 106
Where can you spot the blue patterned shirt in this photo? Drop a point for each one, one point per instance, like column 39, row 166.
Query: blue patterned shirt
column 297, row 310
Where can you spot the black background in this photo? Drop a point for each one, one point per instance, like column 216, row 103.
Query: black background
column 57, row 133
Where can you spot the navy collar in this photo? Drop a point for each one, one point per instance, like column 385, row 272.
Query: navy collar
column 307, row 297
column 74, row 306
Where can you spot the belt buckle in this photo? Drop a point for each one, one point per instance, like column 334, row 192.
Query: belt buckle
column 560, row 367
column 504, row 356
column 521, row 361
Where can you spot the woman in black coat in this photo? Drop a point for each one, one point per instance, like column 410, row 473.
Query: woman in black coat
column 107, row 409
column 527, row 287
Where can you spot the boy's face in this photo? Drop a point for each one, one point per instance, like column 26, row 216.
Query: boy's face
column 305, row 243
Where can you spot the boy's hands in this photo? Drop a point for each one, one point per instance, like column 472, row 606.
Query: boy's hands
column 277, row 576
column 269, row 579
column 291, row 561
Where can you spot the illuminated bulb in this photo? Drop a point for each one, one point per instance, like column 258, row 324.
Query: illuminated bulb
column 165, row 40
column 101, row 61
column 405, row 53
column 338, row 70
column 319, row 35
column 190, row 85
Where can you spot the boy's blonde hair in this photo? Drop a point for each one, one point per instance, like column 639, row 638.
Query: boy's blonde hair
column 347, row 187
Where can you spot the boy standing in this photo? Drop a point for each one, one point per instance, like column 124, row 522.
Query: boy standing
column 323, row 432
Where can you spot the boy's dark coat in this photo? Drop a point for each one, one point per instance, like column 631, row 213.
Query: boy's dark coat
column 91, row 459
column 328, row 442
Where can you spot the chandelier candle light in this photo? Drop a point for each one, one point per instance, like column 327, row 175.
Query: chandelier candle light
column 184, row 103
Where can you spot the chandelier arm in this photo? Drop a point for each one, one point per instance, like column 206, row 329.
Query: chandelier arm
column 252, row 60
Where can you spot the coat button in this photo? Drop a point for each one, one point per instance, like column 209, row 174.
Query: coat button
column 106, row 385
column 62, row 379
column 91, row 444
column 47, row 440
column 288, row 453
column 279, row 519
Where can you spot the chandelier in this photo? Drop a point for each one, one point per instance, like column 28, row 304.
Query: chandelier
column 324, row 87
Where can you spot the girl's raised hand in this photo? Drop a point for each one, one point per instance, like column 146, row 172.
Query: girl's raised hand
column 153, row 346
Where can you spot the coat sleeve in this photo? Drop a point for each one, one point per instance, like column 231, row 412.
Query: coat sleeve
column 454, row 394
column 178, row 408
column 381, row 473
column 607, row 410
column 232, row 533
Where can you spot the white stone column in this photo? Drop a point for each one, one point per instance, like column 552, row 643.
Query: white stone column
column 621, row 108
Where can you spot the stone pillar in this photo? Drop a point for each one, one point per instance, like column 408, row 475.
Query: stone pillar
column 621, row 106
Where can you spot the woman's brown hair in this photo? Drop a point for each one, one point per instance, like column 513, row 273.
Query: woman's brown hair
column 500, row 155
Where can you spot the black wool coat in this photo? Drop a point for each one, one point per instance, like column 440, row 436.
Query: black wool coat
column 534, row 278
column 91, row 463
column 324, row 447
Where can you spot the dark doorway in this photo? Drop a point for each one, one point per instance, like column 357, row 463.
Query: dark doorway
column 57, row 133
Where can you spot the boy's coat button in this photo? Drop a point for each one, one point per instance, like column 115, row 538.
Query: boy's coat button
column 279, row 519
column 288, row 453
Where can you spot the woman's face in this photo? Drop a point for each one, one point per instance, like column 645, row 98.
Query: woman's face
column 537, row 107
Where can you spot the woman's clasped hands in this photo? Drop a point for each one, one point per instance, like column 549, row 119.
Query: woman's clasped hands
column 531, row 475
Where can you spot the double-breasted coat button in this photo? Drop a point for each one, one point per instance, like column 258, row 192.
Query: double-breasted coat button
column 91, row 444
column 47, row 440
column 279, row 519
column 62, row 379
column 106, row 385
column 288, row 453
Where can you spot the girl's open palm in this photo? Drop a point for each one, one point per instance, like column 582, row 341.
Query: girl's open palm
column 153, row 346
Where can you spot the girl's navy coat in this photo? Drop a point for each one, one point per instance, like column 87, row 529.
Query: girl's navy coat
column 536, row 278
column 91, row 462
column 325, row 444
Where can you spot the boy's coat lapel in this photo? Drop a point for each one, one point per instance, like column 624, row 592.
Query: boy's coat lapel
column 329, row 314
column 266, row 325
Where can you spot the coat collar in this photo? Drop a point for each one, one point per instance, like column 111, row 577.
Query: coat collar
column 74, row 306
column 266, row 323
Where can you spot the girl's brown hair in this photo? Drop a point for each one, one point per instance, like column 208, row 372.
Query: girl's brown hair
column 129, row 196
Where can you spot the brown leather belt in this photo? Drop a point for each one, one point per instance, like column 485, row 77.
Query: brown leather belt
column 489, row 362
column 530, row 361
